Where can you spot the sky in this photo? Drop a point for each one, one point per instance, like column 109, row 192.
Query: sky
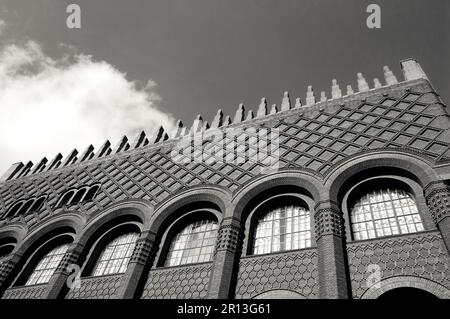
column 134, row 65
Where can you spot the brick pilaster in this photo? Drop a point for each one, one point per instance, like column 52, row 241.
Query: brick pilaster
column 58, row 281
column 141, row 259
column 6, row 270
column 330, row 238
column 228, row 247
column 437, row 195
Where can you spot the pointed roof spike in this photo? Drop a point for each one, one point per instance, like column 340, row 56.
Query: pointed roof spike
column 362, row 84
column 227, row 121
column 250, row 115
column 376, row 83
column 55, row 162
column 389, row 76
column 286, row 102
column 11, row 172
column 39, row 167
column 274, row 109
column 165, row 137
column 310, row 99
column 240, row 114
column 262, row 108
column 71, row 158
column 335, row 90
column 205, row 126
column 349, row 90
column 139, row 140
column 298, row 102
column 178, row 129
column 121, row 145
column 412, row 70
column 104, row 150
column 86, row 154
column 197, row 125
column 323, row 96
column 157, row 135
column 25, row 169
column 218, row 119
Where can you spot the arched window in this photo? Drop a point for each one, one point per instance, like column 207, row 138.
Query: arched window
column 14, row 209
column 91, row 193
column 193, row 244
column 283, row 228
column 47, row 266
column 116, row 255
column 383, row 213
column 65, row 199
column 38, row 204
column 78, row 196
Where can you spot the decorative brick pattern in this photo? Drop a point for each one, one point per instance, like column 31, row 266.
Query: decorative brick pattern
column 329, row 222
column 438, row 201
column 6, row 266
column 315, row 140
column 184, row 282
column 422, row 255
column 69, row 258
column 295, row 271
column 229, row 238
column 142, row 251
column 25, row 292
column 104, row 287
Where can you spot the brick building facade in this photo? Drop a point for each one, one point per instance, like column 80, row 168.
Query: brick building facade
column 355, row 205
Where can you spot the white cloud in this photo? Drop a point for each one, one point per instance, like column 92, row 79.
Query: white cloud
column 53, row 105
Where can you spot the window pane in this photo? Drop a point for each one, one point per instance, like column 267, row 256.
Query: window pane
column 281, row 229
column 47, row 266
column 384, row 213
column 193, row 244
column 116, row 255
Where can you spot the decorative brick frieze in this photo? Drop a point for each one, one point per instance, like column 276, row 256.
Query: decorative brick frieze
column 229, row 238
column 437, row 195
column 70, row 258
column 6, row 266
column 143, row 251
column 329, row 221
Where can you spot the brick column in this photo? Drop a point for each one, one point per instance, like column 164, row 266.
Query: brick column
column 437, row 195
column 330, row 237
column 6, row 270
column 58, row 281
column 228, row 248
column 141, row 259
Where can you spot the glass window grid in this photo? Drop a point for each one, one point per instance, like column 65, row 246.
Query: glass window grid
column 284, row 228
column 47, row 266
column 194, row 244
column 385, row 213
column 115, row 257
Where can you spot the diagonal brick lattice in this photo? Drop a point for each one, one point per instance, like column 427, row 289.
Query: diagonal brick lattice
column 410, row 119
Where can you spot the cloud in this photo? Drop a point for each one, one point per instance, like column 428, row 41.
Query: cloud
column 52, row 105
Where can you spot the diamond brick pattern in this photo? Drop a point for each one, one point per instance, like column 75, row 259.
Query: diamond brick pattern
column 26, row 292
column 296, row 271
column 104, row 287
column 315, row 141
column 184, row 282
column 418, row 255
